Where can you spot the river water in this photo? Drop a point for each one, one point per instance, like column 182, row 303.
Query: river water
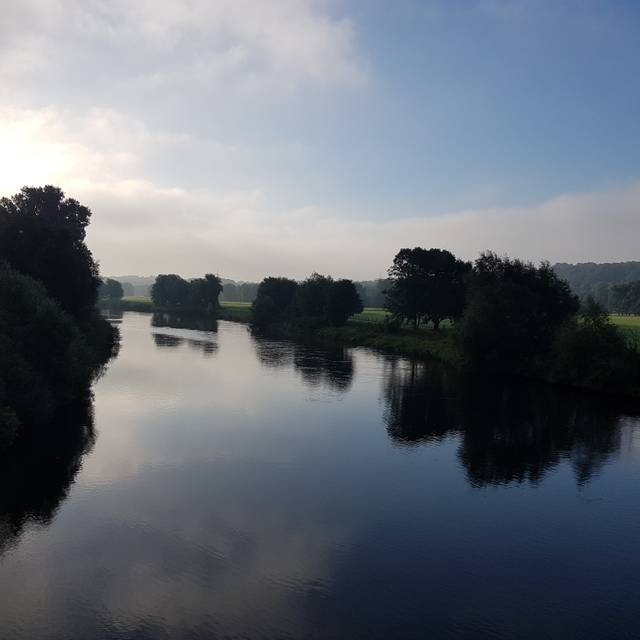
column 236, row 487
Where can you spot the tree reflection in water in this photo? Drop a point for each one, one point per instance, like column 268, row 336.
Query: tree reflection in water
column 199, row 322
column 332, row 369
column 35, row 475
column 509, row 432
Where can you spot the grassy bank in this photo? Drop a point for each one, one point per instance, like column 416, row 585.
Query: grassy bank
column 366, row 329
column 630, row 326
column 428, row 344
column 235, row 311
column 136, row 303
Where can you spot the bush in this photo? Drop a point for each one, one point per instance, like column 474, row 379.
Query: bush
column 513, row 312
column 590, row 352
column 46, row 360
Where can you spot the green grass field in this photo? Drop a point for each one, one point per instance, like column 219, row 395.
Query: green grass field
column 136, row 303
column 630, row 326
column 626, row 322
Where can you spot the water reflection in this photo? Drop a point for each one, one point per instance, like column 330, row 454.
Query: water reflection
column 36, row 475
column 205, row 323
column 509, row 432
column 219, row 501
column 196, row 321
column 320, row 368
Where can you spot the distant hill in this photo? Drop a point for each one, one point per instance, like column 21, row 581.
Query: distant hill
column 602, row 281
column 139, row 285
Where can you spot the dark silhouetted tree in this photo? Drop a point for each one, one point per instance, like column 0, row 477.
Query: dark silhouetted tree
column 426, row 285
column 513, row 311
column 199, row 294
column 204, row 292
column 343, row 302
column 275, row 301
column 313, row 296
column 42, row 235
column 170, row 291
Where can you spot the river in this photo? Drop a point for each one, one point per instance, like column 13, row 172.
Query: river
column 229, row 486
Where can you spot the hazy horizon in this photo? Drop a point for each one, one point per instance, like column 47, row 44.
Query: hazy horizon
column 292, row 136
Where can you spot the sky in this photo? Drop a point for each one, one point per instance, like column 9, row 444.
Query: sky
column 281, row 137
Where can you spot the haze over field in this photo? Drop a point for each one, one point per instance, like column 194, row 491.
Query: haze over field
column 288, row 136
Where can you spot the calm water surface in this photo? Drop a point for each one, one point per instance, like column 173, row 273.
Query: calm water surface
column 232, row 487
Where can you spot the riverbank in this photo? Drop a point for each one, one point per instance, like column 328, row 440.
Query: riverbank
column 367, row 329
column 233, row 311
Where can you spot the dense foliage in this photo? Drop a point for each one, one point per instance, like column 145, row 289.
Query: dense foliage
column 42, row 235
column 275, row 302
column 371, row 292
column 512, row 313
column 46, row 358
column 52, row 340
column 590, row 352
column 198, row 294
column 318, row 300
column 426, row 285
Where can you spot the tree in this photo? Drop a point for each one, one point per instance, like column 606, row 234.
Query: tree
column 313, row 295
column 512, row 314
column 46, row 360
column 42, row 235
column 426, row 285
column 275, row 301
column 591, row 352
column 110, row 290
column 204, row 292
column 343, row 302
column 170, row 291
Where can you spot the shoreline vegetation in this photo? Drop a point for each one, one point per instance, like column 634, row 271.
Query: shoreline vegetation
column 369, row 329
column 53, row 340
column 496, row 316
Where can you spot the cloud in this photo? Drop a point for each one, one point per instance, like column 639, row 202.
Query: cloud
column 142, row 225
column 274, row 45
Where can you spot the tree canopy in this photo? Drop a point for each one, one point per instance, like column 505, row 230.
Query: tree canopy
column 513, row 311
column 426, row 285
column 275, row 301
column 42, row 235
column 52, row 340
column 170, row 291
column 318, row 300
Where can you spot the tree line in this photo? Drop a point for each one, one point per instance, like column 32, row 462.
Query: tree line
column 507, row 315
column 317, row 300
column 175, row 293
column 622, row 299
column 602, row 282
column 371, row 292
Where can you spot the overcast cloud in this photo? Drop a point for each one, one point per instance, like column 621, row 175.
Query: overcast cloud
column 287, row 136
